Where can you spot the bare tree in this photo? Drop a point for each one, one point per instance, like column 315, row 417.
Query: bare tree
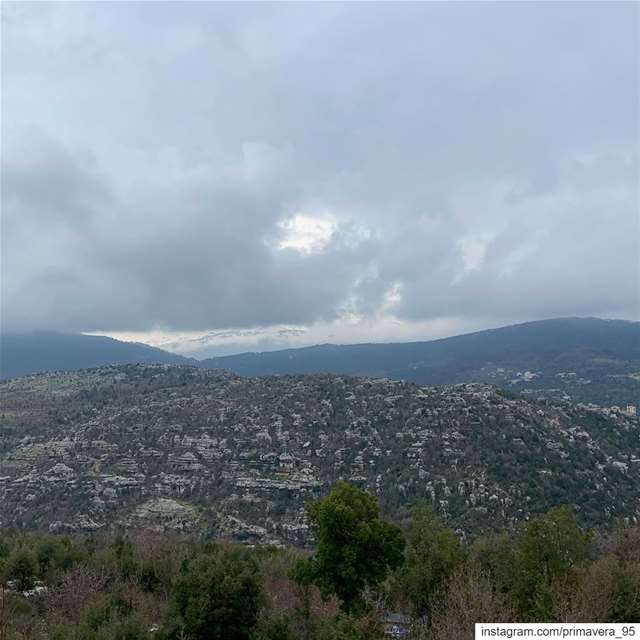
column 468, row 598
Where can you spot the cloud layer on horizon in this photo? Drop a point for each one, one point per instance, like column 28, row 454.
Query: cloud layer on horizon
column 202, row 166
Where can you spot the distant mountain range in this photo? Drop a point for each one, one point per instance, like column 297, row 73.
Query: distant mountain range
column 581, row 359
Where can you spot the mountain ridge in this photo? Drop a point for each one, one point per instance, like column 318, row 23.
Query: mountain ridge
column 24, row 353
column 581, row 359
column 531, row 357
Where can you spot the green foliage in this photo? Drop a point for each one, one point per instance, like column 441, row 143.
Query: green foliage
column 96, row 615
column 106, row 619
column 494, row 556
column 433, row 553
column 545, row 571
column 625, row 605
column 355, row 548
column 273, row 628
column 46, row 552
column 61, row 632
column 216, row 598
column 128, row 629
column 21, row 568
column 148, row 577
column 123, row 548
column 55, row 554
column 343, row 627
column 546, row 548
column 526, row 567
column 5, row 547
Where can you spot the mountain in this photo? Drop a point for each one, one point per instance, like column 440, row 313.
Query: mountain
column 24, row 353
column 577, row 359
column 188, row 449
column 582, row 359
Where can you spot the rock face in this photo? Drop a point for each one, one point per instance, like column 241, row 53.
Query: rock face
column 179, row 448
column 165, row 513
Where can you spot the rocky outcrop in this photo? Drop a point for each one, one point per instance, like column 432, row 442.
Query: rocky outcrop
column 176, row 448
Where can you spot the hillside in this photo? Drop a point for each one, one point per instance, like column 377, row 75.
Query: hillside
column 579, row 359
column 576, row 359
column 196, row 450
column 34, row 352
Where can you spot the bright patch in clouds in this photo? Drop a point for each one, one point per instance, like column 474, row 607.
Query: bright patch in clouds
column 473, row 250
column 392, row 296
column 306, row 233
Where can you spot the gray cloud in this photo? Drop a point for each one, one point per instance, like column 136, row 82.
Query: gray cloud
column 477, row 161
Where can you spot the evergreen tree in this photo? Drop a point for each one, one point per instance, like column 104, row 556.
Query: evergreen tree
column 21, row 569
column 433, row 553
column 216, row 598
column 355, row 548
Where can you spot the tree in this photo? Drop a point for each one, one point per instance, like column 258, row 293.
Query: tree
column 546, row 548
column 343, row 627
column 21, row 568
column 55, row 554
column 125, row 556
column 606, row 590
column 585, row 594
column 494, row 556
column 355, row 549
column 46, row 552
column 433, row 554
column 216, row 598
column 626, row 594
column 105, row 619
column 468, row 597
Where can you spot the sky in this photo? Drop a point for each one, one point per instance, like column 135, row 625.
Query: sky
column 215, row 178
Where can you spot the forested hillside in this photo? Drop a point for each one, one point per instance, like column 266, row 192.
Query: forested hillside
column 187, row 449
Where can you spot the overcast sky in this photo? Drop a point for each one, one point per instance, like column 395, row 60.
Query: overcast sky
column 218, row 177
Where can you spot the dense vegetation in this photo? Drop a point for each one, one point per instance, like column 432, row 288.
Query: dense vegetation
column 185, row 449
column 133, row 588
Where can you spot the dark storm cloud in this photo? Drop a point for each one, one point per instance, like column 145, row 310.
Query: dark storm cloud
column 475, row 160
